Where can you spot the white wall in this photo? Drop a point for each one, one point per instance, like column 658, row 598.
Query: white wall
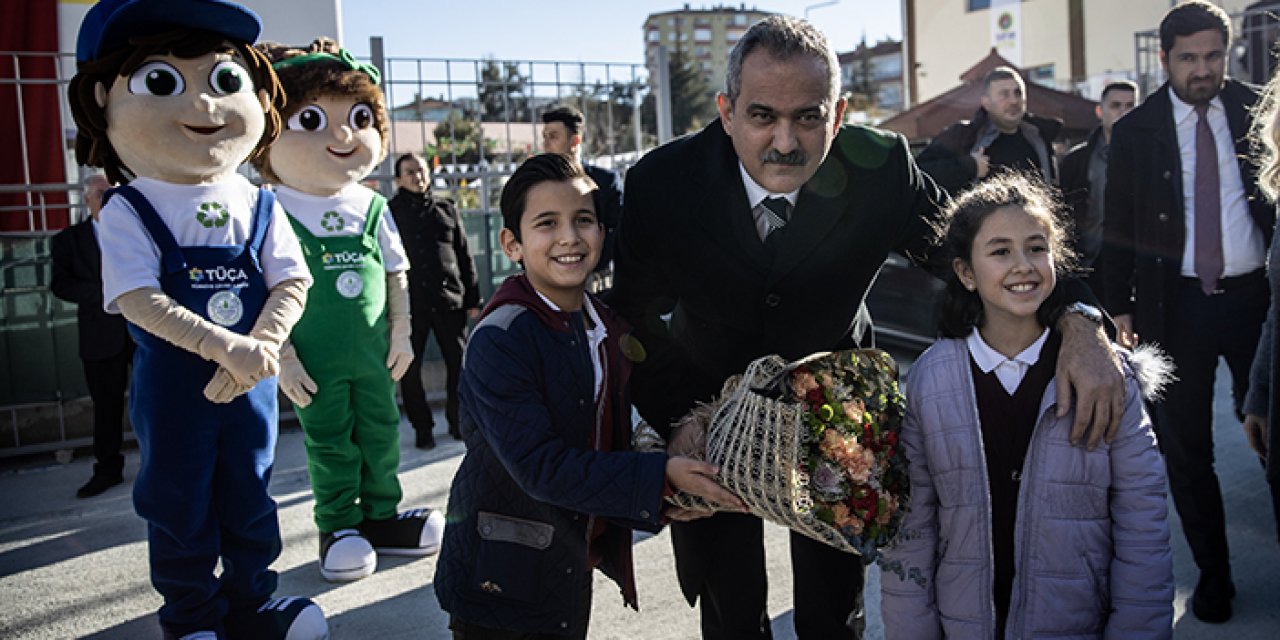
column 949, row 39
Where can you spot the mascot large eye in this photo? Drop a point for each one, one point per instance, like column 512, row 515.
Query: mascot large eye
column 308, row 119
column 361, row 116
column 228, row 77
column 156, row 79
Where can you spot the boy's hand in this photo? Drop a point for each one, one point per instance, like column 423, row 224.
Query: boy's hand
column 222, row 388
column 401, row 354
column 698, row 478
column 294, row 381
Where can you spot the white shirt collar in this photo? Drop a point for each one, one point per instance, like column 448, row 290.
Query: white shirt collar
column 1183, row 110
column 596, row 335
column 756, row 193
column 1009, row 371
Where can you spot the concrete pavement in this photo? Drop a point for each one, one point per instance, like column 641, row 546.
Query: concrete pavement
column 77, row 568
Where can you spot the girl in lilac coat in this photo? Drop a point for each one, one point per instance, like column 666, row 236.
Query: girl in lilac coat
column 1017, row 532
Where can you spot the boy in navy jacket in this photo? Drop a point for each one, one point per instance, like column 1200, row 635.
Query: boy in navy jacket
column 549, row 488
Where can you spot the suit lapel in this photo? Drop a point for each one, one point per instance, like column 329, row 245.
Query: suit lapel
column 1161, row 127
column 818, row 209
column 722, row 204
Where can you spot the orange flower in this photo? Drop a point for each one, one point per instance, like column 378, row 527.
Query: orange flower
column 802, row 382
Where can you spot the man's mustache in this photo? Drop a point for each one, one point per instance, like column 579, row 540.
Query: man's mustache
column 795, row 158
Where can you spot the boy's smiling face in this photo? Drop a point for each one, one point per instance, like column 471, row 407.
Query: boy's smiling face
column 326, row 145
column 560, row 240
column 185, row 121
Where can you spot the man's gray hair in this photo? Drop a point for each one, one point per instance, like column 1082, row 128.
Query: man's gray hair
column 782, row 37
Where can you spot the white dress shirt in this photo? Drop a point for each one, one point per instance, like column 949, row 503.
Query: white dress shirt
column 1243, row 249
column 1009, row 371
column 596, row 334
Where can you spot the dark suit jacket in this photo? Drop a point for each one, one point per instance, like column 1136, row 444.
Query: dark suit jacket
column 77, row 277
column 1144, row 229
column 442, row 273
column 688, row 246
column 608, row 203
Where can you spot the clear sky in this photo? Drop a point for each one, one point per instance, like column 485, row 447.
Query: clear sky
column 595, row 31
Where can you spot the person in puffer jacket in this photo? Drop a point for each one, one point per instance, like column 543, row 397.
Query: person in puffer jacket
column 1016, row 532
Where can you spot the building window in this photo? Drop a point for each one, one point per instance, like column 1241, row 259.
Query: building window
column 1042, row 75
column 978, row 5
column 702, row 35
column 740, row 19
column 733, row 36
column 654, row 35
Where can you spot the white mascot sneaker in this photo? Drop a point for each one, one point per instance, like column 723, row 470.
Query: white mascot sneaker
column 346, row 555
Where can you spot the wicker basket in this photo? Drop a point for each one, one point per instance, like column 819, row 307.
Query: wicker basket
column 756, row 440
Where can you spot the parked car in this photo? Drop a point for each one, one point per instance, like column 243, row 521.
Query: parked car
column 904, row 304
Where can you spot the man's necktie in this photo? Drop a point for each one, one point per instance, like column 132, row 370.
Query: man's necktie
column 777, row 212
column 1208, row 249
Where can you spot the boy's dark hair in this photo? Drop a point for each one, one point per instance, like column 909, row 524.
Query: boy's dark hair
column 1118, row 85
column 545, row 167
column 571, row 118
column 93, row 148
column 1192, row 17
column 411, row 156
column 961, row 308
column 303, row 83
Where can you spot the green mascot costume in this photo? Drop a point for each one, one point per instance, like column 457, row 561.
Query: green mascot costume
column 352, row 343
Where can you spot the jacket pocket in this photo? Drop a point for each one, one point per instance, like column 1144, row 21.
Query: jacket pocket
column 511, row 555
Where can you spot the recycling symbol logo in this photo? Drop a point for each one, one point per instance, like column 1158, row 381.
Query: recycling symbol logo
column 331, row 221
column 212, row 214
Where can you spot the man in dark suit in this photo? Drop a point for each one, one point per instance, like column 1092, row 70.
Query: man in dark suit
column 761, row 234
column 1186, row 232
column 105, row 346
column 443, row 290
column 562, row 133
column 1084, row 177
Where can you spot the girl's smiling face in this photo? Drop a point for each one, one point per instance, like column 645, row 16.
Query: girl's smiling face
column 1011, row 267
column 329, row 143
column 185, row 120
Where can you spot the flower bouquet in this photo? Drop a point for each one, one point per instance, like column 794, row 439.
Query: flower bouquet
column 813, row 446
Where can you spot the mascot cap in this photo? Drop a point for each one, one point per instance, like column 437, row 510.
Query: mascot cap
column 110, row 23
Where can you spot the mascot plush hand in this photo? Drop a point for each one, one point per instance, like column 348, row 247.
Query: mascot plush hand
column 352, row 343
column 170, row 98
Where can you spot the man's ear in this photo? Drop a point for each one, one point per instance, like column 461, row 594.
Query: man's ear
column 1164, row 60
column 100, row 94
column 841, row 103
column 726, row 112
column 265, row 99
column 1097, row 110
column 510, row 245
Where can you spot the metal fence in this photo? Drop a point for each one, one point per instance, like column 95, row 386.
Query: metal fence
column 477, row 118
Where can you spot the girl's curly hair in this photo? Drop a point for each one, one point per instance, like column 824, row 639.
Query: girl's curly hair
column 961, row 308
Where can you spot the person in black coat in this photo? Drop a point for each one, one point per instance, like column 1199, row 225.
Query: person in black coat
column 105, row 346
column 1001, row 135
column 1163, row 286
column 443, row 290
column 708, row 286
column 1084, row 178
column 562, row 133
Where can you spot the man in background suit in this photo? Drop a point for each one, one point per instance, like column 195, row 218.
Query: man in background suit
column 1186, row 232
column 761, row 234
column 105, row 346
column 562, row 133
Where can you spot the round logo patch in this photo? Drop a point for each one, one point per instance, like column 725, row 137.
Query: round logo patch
column 349, row 284
column 225, row 308
column 212, row 214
